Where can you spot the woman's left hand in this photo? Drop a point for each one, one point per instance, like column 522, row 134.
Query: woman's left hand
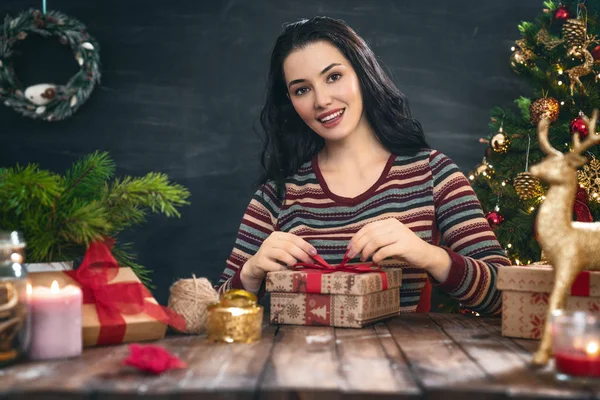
column 390, row 238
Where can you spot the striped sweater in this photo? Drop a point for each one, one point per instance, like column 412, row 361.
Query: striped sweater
column 426, row 192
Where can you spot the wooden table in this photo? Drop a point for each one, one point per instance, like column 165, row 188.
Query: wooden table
column 413, row 356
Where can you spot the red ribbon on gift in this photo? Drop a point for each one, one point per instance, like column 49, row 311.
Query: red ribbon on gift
column 581, row 285
column 313, row 282
column 114, row 300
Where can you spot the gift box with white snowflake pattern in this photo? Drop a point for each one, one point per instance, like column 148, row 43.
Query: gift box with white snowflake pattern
column 341, row 299
column 525, row 293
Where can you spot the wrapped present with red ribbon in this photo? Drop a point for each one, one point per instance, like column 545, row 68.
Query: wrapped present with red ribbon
column 525, row 294
column 345, row 295
column 117, row 307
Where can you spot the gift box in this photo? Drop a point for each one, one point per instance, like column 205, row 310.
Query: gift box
column 525, row 294
column 351, row 299
column 117, row 307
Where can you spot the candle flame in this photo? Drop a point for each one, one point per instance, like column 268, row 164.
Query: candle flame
column 29, row 289
column 592, row 348
column 54, row 287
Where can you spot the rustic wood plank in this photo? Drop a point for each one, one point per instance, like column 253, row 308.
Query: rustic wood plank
column 303, row 364
column 373, row 365
column 507, row 364
column 64, row 378
column 441, row 367
column 215, row 370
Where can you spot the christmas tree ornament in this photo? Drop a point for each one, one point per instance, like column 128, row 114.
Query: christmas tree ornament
column 500, row 143
column 48, row 101
column 579, row 126
column 584, row 69
column 527, row 186
column 494, row 218
column 521, row 54
column 596, row 53
column 589, row 178
column 548, row 41
column 562, row 13
column 544, row 107
column 574, row 32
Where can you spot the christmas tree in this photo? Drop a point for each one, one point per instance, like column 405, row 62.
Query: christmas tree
column 558, row 54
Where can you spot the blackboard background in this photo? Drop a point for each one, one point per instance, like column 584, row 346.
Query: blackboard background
column 183, row 82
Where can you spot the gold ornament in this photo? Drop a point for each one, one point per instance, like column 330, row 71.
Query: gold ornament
column 500, row 142
column 584, row 69
column 236, row 318
column 545, row 107
column 549, row 42
column 574, row 32
column 527, row 186
column 569, row 247
column 521, row 55
column 589, row 178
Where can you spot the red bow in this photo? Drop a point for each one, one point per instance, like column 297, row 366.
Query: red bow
column 112, row 300
column 327, row 268
column 313, row 281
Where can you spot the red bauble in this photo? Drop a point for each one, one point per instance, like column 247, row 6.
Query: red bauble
column 581, row 195
column 578, row 125
column 494, row 218
column 561, row 14
column 596, row 53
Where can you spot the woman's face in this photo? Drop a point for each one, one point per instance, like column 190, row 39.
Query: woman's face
column 324, row 90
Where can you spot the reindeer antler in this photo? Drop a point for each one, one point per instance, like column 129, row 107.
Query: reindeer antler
column 545, row 145
column 592, row 138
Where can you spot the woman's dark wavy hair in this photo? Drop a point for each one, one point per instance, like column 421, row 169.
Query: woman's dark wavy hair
column 290, row 142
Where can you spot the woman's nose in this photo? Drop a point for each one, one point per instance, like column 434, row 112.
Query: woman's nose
column 322, row 98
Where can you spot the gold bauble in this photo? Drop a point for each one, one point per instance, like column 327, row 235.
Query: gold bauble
column 527, row 186
column 500, row 143
column 574, row 32
column 546, row 106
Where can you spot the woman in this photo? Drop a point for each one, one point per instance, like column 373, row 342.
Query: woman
column 348, row 170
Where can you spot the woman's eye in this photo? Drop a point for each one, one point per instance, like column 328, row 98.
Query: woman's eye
column 334, row 77
column 300, row 91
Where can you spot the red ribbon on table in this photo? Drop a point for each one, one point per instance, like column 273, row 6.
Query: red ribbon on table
column 313, row 282
column 113, row 300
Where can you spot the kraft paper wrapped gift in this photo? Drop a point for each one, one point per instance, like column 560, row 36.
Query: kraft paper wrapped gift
column 525, row 294
column 341, row 299
column 138, row 327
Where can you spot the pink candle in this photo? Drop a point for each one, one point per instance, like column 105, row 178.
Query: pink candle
column 55, row 322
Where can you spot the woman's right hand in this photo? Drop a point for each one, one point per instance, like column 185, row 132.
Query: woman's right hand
column 278, row 251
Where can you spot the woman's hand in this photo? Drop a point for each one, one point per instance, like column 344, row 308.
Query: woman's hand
column 278, row 251
column 390, row 238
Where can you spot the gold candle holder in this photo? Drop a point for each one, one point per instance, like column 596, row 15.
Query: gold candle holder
column 237, row 317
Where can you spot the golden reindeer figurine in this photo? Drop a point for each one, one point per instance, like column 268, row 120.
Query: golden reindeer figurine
column 570, row 246
column 584, row 69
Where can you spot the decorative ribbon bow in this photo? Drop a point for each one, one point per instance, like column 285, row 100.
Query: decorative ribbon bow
column 327, row 268
column 320, row 267
column 115, row 299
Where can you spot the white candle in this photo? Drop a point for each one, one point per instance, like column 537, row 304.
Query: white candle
column 55, row 322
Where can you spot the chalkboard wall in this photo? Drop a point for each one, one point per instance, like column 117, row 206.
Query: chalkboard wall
column 183, row 83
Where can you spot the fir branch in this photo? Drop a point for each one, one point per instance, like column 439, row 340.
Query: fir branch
column 88, row 175
column 125, row 259
column 551, row 5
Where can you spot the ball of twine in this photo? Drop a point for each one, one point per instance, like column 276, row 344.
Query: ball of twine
column 190, row 298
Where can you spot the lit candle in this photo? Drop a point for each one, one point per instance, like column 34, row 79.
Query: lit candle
column 55, row 321
column 584, row 362
column 576, row 344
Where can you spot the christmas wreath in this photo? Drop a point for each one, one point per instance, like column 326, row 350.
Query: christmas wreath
column 48, row 101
